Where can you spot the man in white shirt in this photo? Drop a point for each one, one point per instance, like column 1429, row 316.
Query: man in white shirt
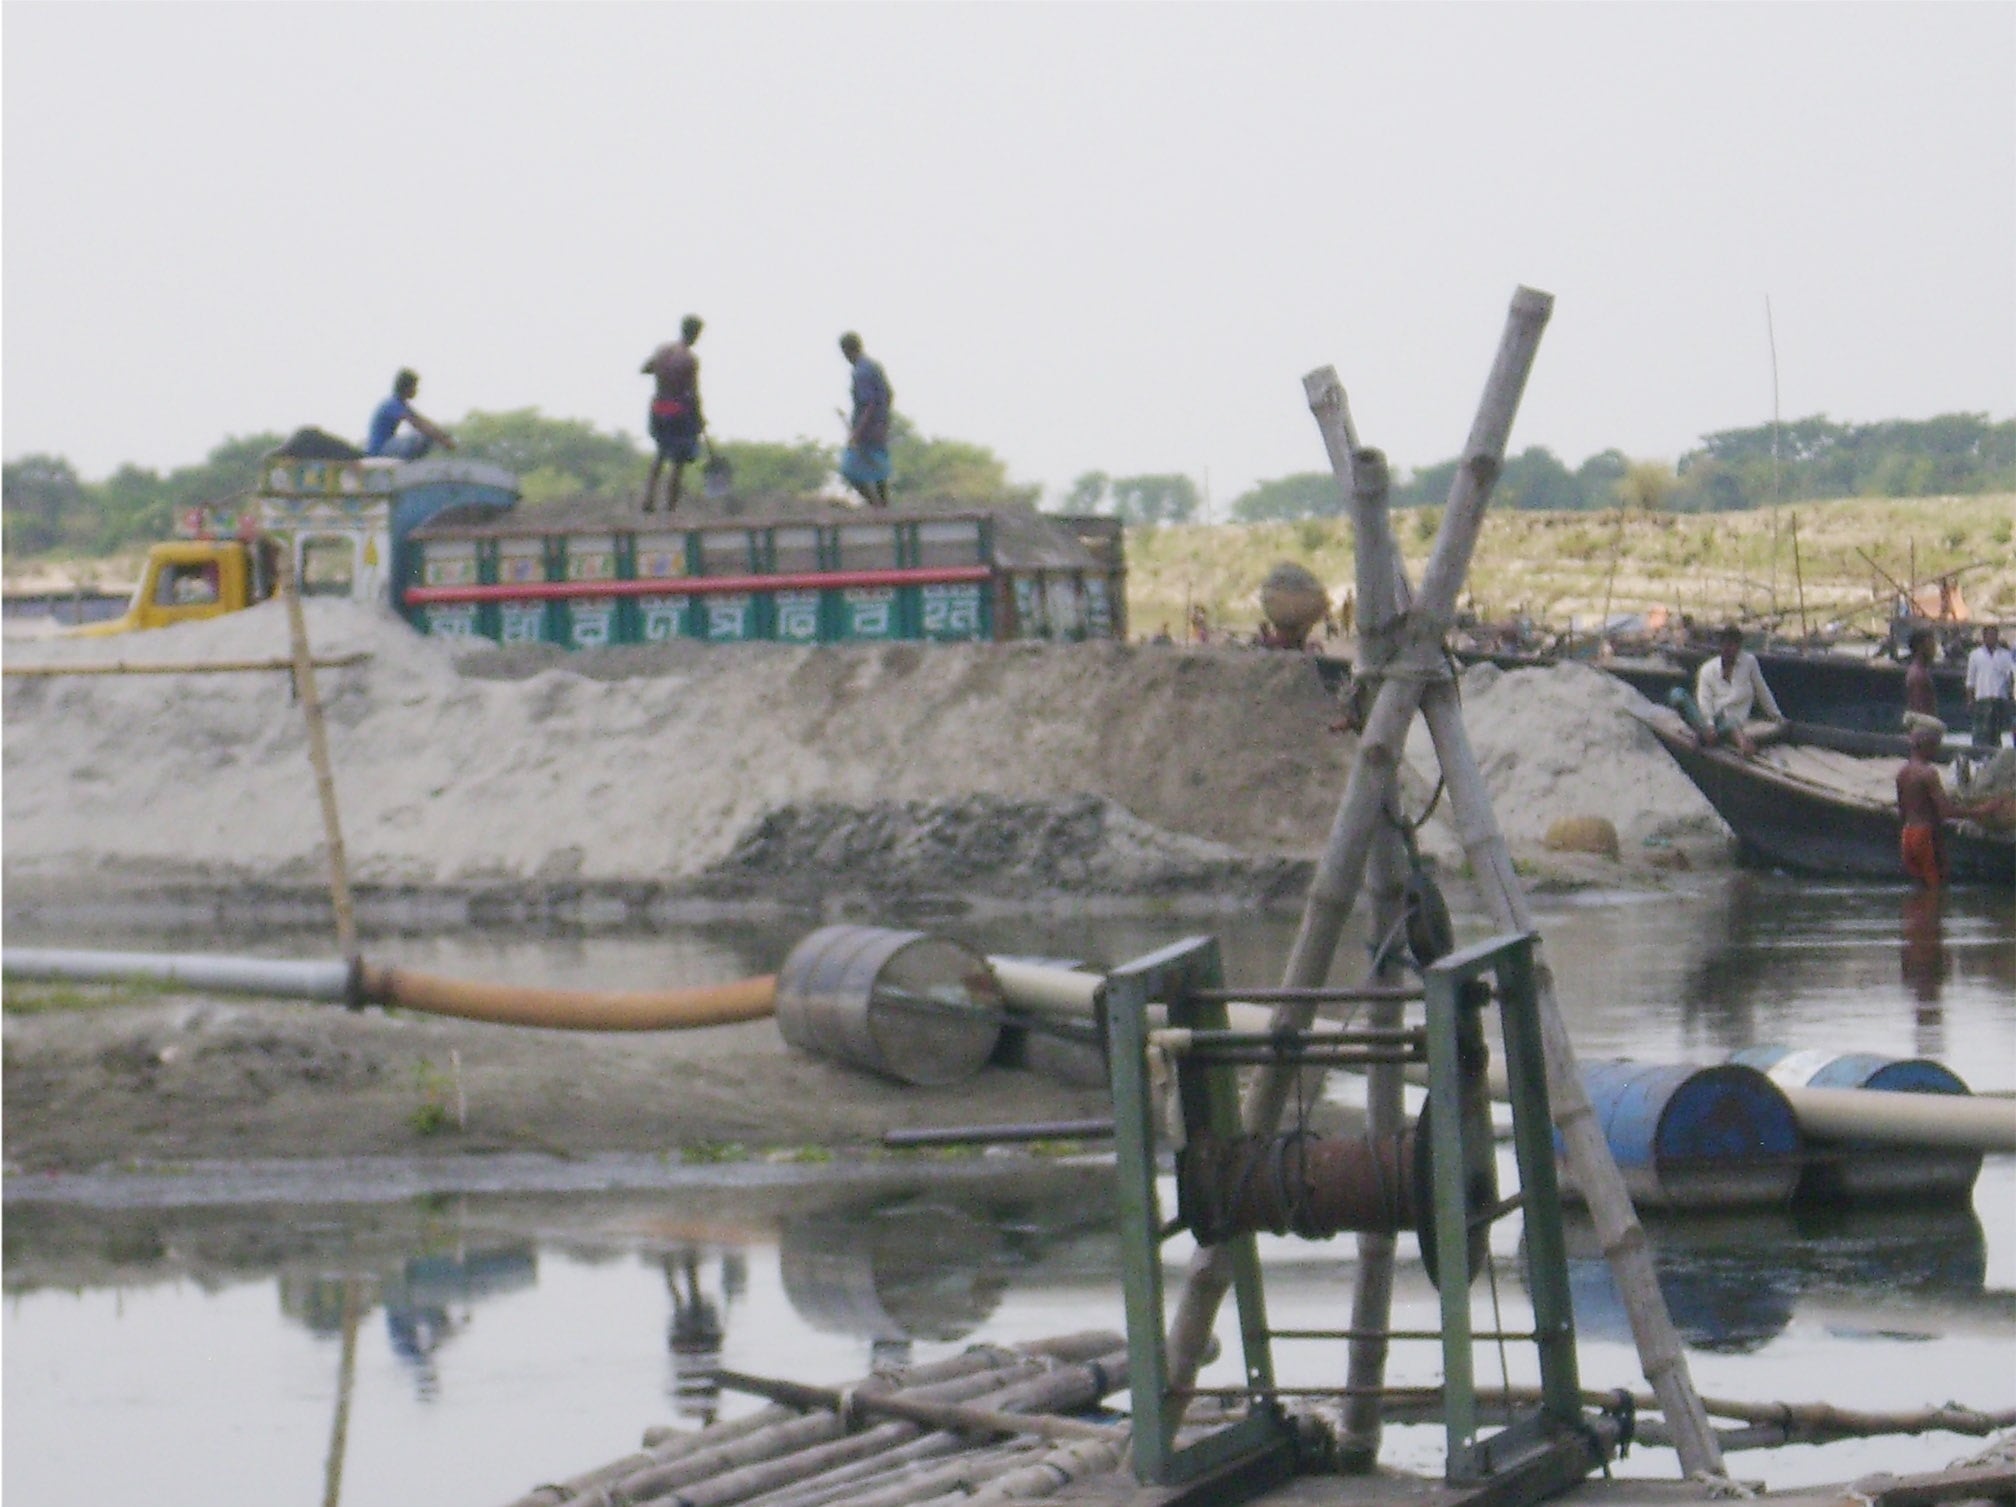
column 1991, row 688
column 1726, row 690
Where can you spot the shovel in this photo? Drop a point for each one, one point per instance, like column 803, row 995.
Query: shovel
column 717, row 477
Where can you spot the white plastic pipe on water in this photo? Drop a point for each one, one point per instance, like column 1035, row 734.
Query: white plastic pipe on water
column 1943, row 1122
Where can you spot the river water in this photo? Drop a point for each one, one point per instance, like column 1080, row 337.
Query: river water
column 301, row 1347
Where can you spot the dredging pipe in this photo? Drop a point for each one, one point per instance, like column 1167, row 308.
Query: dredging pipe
column 1927, row 1121
column 363, row 983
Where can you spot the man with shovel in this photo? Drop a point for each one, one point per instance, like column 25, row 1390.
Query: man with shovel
column 676, row 420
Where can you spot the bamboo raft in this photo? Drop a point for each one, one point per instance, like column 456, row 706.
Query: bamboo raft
column 995, row 1425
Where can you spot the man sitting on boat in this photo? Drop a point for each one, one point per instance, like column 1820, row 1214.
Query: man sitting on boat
column 1728, row 688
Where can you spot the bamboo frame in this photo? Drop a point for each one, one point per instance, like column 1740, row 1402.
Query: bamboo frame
column 181, row 667
column 1414, row 678
column 318, row 756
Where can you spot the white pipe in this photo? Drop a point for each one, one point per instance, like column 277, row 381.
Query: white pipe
column 1932, row 1122
column 279, row 977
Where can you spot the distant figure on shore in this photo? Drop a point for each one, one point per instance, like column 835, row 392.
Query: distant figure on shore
column 422, row 434
column 1924, row 805
column 1991, row 688
column 864, row 464
column 675, row 420
column 1726, row 690
column 1921, row 695
column 1200, row 625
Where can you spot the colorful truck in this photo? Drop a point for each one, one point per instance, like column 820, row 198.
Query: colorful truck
column 443, row 542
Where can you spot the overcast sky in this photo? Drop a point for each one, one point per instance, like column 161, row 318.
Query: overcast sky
column 1087, row 236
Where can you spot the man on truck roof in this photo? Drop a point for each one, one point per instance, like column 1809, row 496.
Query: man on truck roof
column 864, row 464
column 422, row 434
column 676, row 421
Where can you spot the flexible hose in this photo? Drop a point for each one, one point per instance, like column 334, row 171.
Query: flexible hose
column 571, row 1009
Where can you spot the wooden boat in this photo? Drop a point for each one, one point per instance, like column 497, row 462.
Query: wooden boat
column 1817, row 810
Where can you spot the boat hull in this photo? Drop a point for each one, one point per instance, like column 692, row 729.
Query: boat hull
column 1789, row 824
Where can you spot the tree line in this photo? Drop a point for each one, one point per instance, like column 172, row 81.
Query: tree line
column 1729, row 471
column 45, row 506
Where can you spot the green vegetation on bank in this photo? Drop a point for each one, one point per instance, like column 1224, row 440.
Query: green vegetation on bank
column 1733, row 471
column 47, row 508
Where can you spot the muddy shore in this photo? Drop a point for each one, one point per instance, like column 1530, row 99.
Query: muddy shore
column 655, row 784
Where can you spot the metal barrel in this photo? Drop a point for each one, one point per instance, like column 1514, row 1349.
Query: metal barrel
column 904, row 1004
column 1821, row 1068
column 1846, row 1171
column 1697, row 1137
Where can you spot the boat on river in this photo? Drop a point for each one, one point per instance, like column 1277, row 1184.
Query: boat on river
column 1810, row 808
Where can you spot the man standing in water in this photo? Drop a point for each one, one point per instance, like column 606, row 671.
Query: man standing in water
column 676, row 421
column 864, row 465
column 1923, row 803
column 1726, row 690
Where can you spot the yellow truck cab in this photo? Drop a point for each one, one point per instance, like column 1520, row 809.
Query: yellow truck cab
column 185, row 580
column 339, row 519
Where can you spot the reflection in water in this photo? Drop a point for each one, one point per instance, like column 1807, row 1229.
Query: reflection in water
column 428, row 1301
column 1732, row 1282
column 895, row 1271
column 694, row 1334
column 1922, row 960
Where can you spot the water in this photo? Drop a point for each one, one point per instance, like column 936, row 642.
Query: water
column 196, row 1353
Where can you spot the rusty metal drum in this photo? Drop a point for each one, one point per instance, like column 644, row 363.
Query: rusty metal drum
column 904, row 1004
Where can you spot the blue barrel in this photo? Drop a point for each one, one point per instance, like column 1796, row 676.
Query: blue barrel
column 1851, row 1172
column 1696, row 1137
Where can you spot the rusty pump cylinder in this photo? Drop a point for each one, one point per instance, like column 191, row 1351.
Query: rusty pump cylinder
column 1315, row 1186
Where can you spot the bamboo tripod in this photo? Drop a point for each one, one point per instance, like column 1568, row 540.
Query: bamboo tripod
column 1401, row 651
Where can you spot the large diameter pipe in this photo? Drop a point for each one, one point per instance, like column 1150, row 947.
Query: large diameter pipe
column 572, row 1009
column 408, row 989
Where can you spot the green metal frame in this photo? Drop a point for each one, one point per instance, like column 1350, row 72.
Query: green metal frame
column 1211, row 1097
column 1509, row 960
column 1538, row 1451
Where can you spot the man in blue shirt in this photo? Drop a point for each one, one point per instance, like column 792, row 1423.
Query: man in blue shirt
column 422, row 434
column 864, row 465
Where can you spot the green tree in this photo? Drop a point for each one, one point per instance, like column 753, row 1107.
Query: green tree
column 552, row 457
column 1167, row 498
column 763, row 468
column 43, row 505
column 1088, row 493
column 1646, row 484
column 1307, row 494
column 948, row 470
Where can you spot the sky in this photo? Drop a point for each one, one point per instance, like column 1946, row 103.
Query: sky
column 1088, row 236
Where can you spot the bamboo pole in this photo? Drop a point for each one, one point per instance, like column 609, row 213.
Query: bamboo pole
column 1051, row 1474
column 937, row 1479
column 346, row 1377
column 1334, row 887
column 1799, row 577
column 184, row 667
column 318, row 755
column 1383, row 594
column 901, row 1470
column 1586, row 1150
column 802, row 1436
column 1078, row 1391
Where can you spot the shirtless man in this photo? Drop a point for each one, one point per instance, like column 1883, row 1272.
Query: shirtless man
column 1921, row 695
column 1923, row 803
column 676, row 420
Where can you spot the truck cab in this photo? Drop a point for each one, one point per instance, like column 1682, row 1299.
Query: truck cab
column 186, row 580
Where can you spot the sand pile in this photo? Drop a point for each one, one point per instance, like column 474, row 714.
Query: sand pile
column 1560, row 743
column 684, row 768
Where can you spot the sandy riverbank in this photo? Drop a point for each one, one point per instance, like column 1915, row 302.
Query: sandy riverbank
column 638, row 783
